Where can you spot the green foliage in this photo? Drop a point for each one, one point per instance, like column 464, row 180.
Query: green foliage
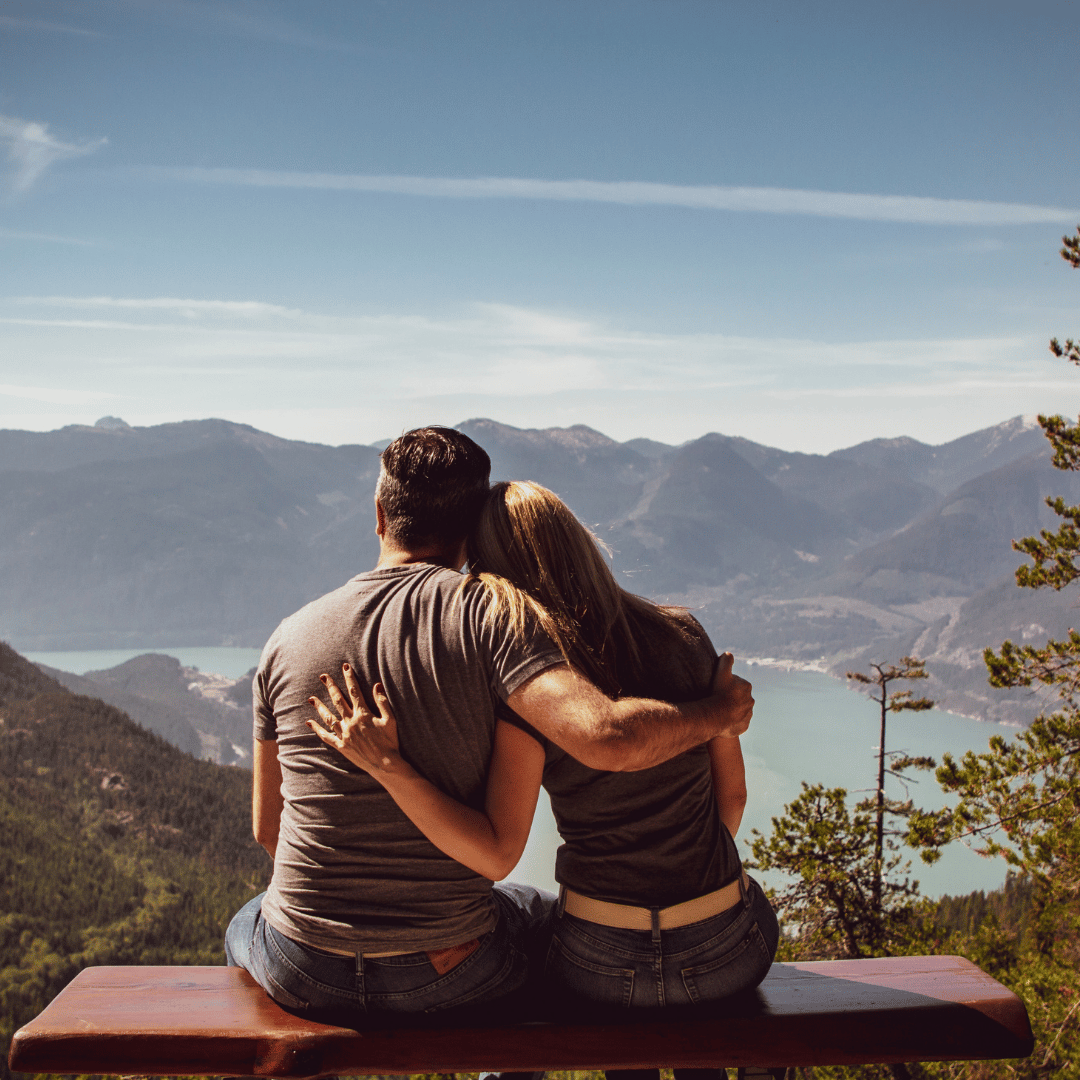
column 117, row 848
column 1011, row 905
column 1020, row 800
column 832, row 907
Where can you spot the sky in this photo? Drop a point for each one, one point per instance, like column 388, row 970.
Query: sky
column 807, row 224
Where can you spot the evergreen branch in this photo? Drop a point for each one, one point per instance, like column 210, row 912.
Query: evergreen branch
column 1054, row 664
column 914, row 705
column 1064, row 439
column 1070, row 351
column 1071, row 251
column 1001, row 821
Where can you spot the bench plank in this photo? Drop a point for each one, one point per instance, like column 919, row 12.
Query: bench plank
column 217, row 1020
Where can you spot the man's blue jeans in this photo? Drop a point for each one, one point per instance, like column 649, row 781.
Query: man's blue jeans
column 324, row 985
column 702, row 962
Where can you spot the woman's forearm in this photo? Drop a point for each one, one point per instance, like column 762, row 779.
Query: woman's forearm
column 266, row 799
column 489, row 842
column 464, row 834
column 729, row 781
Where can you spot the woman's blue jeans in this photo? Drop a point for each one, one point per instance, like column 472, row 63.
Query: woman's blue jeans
column 320, row 984
column 702, row 962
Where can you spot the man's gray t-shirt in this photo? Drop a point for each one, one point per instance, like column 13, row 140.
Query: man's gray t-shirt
column 351, row 871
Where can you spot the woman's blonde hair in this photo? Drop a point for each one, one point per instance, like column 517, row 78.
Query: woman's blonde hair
column 541, row 566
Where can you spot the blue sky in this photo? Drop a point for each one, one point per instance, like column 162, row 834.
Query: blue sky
column 805, row 223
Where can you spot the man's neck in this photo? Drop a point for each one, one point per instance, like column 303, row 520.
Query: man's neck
column 396, row 556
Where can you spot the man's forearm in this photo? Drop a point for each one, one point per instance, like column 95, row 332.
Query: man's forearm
column 642, row 733
column 631, row 734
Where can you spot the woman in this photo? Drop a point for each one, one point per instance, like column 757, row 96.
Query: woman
column 654, row 907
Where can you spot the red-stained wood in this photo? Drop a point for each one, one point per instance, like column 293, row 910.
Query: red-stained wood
column 216, row 1020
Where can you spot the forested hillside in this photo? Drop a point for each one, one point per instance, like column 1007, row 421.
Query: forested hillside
column 117, row 847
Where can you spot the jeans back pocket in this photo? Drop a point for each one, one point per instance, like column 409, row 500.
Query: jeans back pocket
column 604, row 984
column 740, row 966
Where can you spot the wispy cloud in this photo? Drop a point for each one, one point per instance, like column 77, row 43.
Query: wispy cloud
column 16, row 22
column 915, row 209
column 43, row 238
column 502, row 348
column 355, row 378
column 31, row 149
column 248, row 308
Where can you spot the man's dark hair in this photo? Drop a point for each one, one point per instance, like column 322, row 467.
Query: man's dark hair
column 434, row 482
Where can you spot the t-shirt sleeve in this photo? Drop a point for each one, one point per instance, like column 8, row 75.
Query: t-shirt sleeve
column 506, row 714
column 265, row 724
column 515, row 658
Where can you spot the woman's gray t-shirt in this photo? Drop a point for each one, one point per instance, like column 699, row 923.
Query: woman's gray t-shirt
column 352, row 872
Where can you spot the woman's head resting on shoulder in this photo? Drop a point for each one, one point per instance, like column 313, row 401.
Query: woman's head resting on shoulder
column 540, row 564
column 530, row 537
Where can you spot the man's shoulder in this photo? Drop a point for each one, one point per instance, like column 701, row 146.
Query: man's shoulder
column 331, row 600
column 371, row 587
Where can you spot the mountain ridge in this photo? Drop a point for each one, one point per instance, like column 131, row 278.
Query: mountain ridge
column 209, row 532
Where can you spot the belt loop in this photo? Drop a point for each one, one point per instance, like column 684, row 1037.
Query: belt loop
column 744, row 891
column 655, row 913
column 560, row 906
column 360, row 998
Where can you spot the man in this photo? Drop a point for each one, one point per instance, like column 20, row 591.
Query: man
column 363, row 913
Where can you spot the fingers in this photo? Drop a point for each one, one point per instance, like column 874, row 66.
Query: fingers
column 330, row 721
column 382, row 702
column 344, row 708
column 319, row 730
column 328, row 735
column 723, row 676
column 742, row 701
column 736, row 694
column 356, row 695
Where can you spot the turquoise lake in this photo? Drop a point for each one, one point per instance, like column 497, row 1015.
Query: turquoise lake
column 807, row 726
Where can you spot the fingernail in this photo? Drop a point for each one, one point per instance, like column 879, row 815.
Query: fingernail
column 322, row 678
column 311, row 701
column 344, row 667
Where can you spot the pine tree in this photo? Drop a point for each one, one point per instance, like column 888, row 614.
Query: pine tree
column 892, row 763
column 847, row 896
column 1021, row 799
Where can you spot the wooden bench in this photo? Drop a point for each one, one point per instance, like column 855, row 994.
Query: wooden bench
column 217, row 1020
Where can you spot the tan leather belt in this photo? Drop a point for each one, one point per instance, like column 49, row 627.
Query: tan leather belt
column 442, row 960
column 628, row 917
column 371, row 955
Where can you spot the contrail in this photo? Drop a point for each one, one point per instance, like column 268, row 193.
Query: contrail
column 762, row 200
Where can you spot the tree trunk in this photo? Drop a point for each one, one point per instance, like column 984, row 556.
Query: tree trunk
column 879, row 836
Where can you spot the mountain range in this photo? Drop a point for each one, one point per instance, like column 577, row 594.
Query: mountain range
column 209, row 532
column 207, row 715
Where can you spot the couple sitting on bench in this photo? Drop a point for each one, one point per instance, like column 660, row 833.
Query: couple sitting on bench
column 388, row 825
